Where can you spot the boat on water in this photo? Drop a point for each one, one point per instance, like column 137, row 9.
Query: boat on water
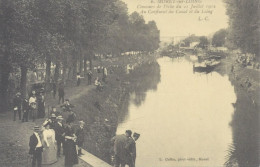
column 205, row 66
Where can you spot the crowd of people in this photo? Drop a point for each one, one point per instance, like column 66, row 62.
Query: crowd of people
column 59, row 135
column 248, row 60
column 54, row 134
column 29, row 108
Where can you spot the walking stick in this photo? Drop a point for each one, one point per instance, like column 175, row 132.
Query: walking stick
column 48, row 111
column 29, row 160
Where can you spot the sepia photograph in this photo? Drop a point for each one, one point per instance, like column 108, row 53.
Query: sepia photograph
column 129, row 83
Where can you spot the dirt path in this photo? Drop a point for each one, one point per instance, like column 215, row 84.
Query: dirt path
column 15, row 135
column 80, row 93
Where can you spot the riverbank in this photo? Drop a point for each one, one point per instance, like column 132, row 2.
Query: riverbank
column 103, row 110
column 100, row 110
column 245, row 122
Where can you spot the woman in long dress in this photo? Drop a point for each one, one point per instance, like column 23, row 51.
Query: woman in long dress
column 71, row 157
column 49, row 155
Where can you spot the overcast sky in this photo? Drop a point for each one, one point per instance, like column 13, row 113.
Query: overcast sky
column 184, row 24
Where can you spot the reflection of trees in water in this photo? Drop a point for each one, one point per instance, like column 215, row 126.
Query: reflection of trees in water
column 144, row 78
column 244, row 151
column 139, row 98
column 141, row 79
column 123, row 113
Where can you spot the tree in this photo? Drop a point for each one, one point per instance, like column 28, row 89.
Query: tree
column 66, row 34
column 203, row 42
column 192, row 38
column 244, row 24
column 18, row 41
column 219, row 38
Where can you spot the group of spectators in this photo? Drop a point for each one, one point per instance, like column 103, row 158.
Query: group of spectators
column 248, row 60
column 97, row 82
column 29, row 108
column 54, row 134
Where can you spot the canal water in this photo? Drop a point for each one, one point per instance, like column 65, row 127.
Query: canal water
column 185, row 121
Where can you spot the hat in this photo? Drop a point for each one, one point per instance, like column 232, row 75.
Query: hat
column 33, row 92
column 81, row 122
column 36, row 128
column 59, row 117
column 46, row 122
column 15, row 108
column 53, row 116
column 136, row 135
column 67, row 100
column 128, row 132
column 18, row 94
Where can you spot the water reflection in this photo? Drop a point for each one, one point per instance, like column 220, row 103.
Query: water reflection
column 141, row 79
column 185, row 119
column 245, row 125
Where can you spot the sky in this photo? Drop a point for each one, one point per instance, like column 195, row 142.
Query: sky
column 172, row 24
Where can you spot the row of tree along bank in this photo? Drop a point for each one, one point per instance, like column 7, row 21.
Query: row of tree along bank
column 65, row 35
column 103, row 110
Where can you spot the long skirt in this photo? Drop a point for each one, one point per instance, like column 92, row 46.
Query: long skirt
column 41, row 109
column 71, row 157
column 49, row 155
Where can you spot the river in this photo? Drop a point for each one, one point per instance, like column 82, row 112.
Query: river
column 185, row 121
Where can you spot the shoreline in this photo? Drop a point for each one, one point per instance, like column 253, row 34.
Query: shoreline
column 102, row 111
column 245, row 119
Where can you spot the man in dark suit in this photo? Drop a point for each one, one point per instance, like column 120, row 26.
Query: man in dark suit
column 52, row 120
column 131, row 149
column 25, row 107
column 80, row 137
column 120, row 151
column 36, row 147
column 66, row 106
column 59, row 134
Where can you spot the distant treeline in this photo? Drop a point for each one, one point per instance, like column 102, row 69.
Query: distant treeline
column 68, row 34
column 242, row 33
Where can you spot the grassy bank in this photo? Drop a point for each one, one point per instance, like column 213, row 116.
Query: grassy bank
column 103, row 110
column 245, row 123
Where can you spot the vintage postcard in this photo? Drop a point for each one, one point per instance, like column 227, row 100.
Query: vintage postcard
column 137, row 83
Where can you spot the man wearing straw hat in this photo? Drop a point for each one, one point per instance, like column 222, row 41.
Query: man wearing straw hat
column 59, row 134
column 80, row 137
column 36, row 147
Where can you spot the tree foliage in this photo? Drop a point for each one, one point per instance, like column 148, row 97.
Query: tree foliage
column 219, row 38
column 64, row 33
column 244, row 24
column 204, row 42
column 192, row 38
